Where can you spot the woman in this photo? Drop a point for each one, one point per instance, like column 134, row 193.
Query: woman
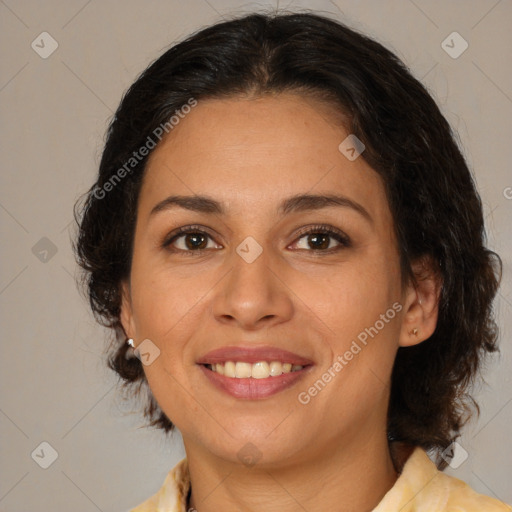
column 288, row 244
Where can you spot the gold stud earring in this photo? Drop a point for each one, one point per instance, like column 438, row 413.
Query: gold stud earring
column 414, row 331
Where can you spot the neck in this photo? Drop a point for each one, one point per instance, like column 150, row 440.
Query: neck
column 349, row 479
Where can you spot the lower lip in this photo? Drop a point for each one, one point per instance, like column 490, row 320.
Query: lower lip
column 253, row 389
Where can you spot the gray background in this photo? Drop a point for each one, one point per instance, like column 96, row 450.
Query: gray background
column 55, row 387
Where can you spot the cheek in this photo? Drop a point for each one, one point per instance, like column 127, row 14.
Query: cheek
column 361, row 308
column 353, row 297
column 163, row 299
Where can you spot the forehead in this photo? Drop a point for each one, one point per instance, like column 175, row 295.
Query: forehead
column 257, row 151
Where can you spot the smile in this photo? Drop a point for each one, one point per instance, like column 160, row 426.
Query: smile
column 253, row 372
column 251, row 388
column 259, row 370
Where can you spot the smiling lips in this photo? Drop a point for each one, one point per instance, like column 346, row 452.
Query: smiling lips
column 259, row 370
column 253, row 373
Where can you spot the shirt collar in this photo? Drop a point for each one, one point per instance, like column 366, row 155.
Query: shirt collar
column 420, row 486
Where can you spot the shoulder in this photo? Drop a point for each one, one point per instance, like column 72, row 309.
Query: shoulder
column 172, row 496
column 461, row 497
column 421, row 486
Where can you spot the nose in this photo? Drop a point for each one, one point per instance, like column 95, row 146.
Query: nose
column 252, row 296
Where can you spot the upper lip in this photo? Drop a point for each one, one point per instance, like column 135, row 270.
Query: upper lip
column 252, row 355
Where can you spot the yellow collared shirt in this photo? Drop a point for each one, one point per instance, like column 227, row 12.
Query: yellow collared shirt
column 421, row 487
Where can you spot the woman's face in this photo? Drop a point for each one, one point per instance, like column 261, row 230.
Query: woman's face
column 259, row 274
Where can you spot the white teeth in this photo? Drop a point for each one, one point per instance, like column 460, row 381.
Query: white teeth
column 276, row 368
column 242, row 370
column 229, row 369
column 259, row 370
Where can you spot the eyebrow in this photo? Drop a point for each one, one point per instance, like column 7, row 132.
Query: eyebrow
column 297, row 203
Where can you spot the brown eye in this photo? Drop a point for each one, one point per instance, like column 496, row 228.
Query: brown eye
column 319, row 241
column 191, row 242
column 195, row 241
column 189, row 239
column 322, row 239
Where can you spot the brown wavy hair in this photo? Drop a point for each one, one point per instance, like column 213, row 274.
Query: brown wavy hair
column 436, row 209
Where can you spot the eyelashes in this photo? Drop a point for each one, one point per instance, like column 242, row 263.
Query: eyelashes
column 327, row 232
column 183, row 232
column 196, row 240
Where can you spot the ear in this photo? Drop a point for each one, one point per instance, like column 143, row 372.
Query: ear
column 421, row 303
column 126, row 316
